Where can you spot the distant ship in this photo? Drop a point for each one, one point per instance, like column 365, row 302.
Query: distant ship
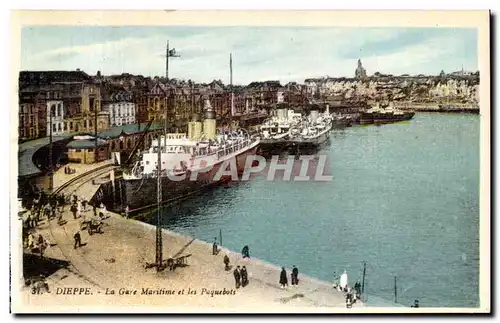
column 388, row 114
column 313, row 131
column 200, row 153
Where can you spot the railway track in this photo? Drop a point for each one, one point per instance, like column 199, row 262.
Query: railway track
column 69, row 188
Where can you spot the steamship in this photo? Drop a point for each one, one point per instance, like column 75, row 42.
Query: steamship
column 312, row 132
column 387, row 114
column 189, row 163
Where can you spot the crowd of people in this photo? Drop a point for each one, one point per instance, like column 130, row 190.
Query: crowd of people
column 43, row 207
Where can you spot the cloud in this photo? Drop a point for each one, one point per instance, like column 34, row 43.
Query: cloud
column 278, row 53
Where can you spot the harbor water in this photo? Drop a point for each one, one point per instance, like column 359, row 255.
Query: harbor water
column 404, row 199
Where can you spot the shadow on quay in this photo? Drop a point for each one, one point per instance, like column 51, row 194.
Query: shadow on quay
column 35, row 266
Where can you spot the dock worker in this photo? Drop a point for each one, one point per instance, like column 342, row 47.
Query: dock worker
column 245, row 253
column 283, row 278
column 237, row 276
column 295, row 276
column 78, row 239
column 244, row 276
column 127, row 210
column 214, row 247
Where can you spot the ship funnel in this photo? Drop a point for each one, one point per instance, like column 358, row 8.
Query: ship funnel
column 282, row 113
column 209, row 122
column 195, row 127
column 314, row 115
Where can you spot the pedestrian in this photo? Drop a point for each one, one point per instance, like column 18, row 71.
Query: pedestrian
column 84, row 205
column 31, row 241
column 127, row 210
column 226, row 263
column 283, row 278
column 95, row 209
column 214, row 247
column 62, row 202
column 295, row 276
column 41, row 244
column 237, row 276
column 73, row 210
column 102, row 211
column 357, row 289
column 415, row 304
column 78, row 239
column 244, row 276
column 75, row 198
column 245, row 252
column 348, row 300
column 78, row 208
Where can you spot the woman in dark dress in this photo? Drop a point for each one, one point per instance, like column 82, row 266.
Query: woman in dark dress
column 283, row 278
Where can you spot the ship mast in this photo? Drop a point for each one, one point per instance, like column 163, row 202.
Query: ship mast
column 231, row 82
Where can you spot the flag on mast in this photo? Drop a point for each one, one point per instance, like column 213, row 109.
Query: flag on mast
column 173, row 53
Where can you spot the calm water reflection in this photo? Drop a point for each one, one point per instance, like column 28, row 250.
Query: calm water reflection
column 404, row 198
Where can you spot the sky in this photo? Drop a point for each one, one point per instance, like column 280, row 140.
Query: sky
column 259, row 53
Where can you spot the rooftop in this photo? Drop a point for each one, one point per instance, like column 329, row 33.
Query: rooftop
column 86, row 143
column 128, row 129
column 26, row 152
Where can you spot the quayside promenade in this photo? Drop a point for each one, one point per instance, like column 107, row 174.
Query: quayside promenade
column 114, row 261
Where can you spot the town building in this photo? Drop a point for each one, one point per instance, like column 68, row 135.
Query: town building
column 56, row 108
column 124, row 138
column 72, row 96
column 85, row 150
column 120, row 107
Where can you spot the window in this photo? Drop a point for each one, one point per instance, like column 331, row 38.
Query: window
column 76, row 127
column 59, row 128
column 90, row 123
column 53, row 110
column 71, row 125
column 78, row 150
column 54, row 127
column 112, row 145
column 121, row 145
column 91, row 103
column 90, row 150
column 101, row 149
column 129, row 143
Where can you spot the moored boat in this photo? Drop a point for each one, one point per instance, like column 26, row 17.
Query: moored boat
column 188, row 163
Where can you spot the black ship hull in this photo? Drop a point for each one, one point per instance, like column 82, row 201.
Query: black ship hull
column 380, row 118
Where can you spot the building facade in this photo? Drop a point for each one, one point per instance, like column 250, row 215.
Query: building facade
column 120, row 108
column 56, row 122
